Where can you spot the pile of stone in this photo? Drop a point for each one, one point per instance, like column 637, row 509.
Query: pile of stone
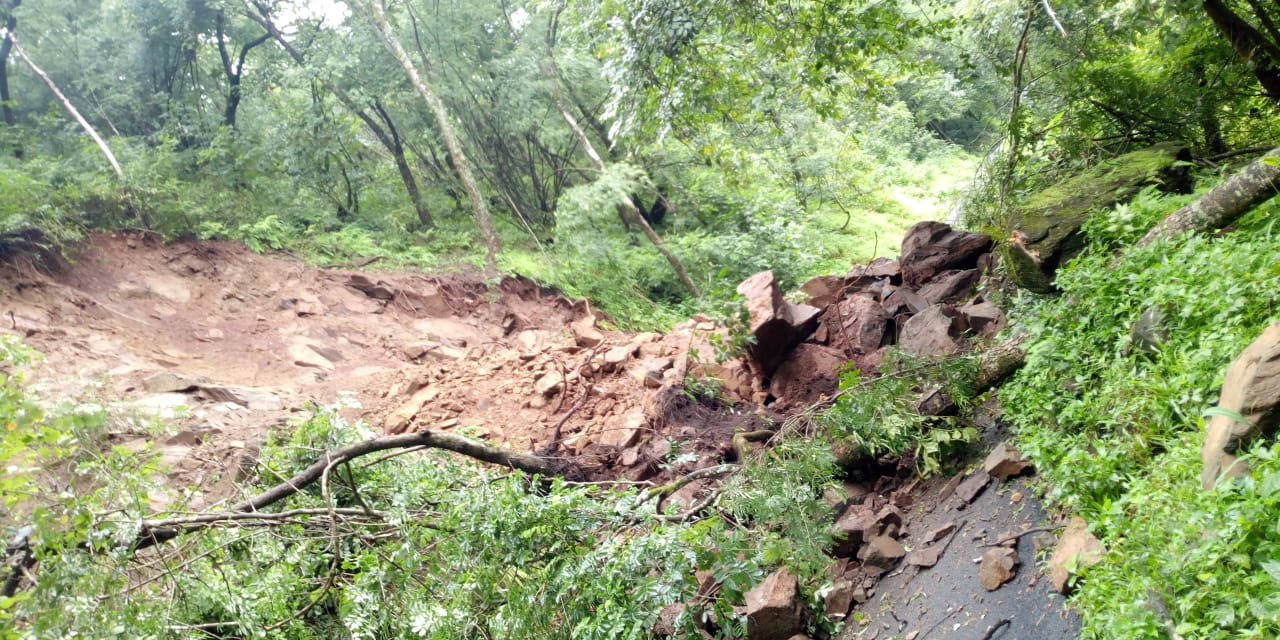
column 926, row 302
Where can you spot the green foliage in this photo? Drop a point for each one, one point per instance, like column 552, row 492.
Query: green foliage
column 1114, row 429
column 878, row 416
column 463, row 551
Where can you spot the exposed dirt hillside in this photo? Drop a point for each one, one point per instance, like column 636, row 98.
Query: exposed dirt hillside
column 224, row 345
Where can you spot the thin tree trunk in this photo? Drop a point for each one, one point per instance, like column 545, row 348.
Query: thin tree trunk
column 402, row 164
column 234, row 71
column 6, row 46
column 460, row 163
column 66, row 104
column 630, row 212
column 391, row 145
column 1253, row 185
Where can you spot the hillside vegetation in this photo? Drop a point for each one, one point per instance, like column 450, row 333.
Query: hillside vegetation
column 647, row 157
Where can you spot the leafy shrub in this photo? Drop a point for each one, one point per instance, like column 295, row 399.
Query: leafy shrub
column 877, row 416
column 1114, row 427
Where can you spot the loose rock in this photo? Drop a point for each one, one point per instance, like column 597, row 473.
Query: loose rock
column 1077, row 549
column 931, row 333
column 776, row 324
column 998, row 567
column 1005, row 462
column 773, row 609
column 1251, row 391
column 972, row 486
column 929, row 248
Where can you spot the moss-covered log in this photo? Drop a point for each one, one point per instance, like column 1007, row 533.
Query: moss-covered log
column 1237, row 195
column 1044, row 232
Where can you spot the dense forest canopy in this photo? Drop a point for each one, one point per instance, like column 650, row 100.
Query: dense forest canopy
column 743, row 122
column 648, row 155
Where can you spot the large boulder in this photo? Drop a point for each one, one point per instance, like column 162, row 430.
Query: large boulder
column 932, row 332
column 950, row 286
column 1045, row 231
column 1248, row 407
column 929, row 248
column 776, row 324
column 856, row 325
column 773, row 608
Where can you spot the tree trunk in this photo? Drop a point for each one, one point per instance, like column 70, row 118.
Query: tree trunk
column 460, row 163
column 402, row 165
column 234, row 72
column 1250, row 44
column 629, row 211
column 6, row 46
column 390, row 143
column 66, row 104
column 1243, row 191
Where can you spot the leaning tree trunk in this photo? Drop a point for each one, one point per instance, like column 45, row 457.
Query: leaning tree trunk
column 1238, row 194
column 393, row 145
column 630, row 213
column 1250, row 44
column 396, row 145
column 436, row 105
column 66, row 104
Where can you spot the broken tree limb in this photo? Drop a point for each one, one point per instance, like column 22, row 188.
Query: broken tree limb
column 1223, row 204
column 161, row 532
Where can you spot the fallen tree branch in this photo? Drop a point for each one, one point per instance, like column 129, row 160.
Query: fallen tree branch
column 66, row 105
column 1011, row 538
column 663, row 492
column 152, row 535
column 207, row 520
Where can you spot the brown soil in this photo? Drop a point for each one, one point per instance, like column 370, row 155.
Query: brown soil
column 250, row 340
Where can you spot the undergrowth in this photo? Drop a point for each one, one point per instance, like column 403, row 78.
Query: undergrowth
column 878, row 416
column 1114, row 424
column 456, row 549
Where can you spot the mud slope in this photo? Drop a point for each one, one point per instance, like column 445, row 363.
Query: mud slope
column 223, row 344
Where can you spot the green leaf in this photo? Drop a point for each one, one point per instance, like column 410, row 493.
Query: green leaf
column 1226, row 413
column 1272, row 567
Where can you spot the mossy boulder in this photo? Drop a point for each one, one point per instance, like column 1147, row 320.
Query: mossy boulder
column 1044, row 232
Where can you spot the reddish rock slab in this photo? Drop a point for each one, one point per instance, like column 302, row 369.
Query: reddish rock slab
column 1251, row 391
column 950, row 286
column 972, row 487
column 929, row 248
column 931, row 333
column 773, row 608
column 1005, row 462
column 1076, row 549
column 983, row 318
column 925, row 558
column 776, row 324
column 856, row 325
